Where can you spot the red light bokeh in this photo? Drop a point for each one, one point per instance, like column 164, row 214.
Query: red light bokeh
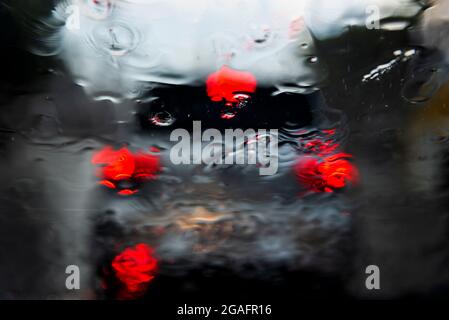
column 123, row 165
column 135, row 268
column 326, row 174
column 321, row 147
column 226, row 83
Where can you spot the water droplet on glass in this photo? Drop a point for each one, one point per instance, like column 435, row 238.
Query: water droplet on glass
column 261, row 35
column 231, row 108
column 227, row 115
column 313, row 60
column 162, row 118
column 409, row 53
column 422, row 88
column 116, row 38
column 394, row 25
column 242, row 100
